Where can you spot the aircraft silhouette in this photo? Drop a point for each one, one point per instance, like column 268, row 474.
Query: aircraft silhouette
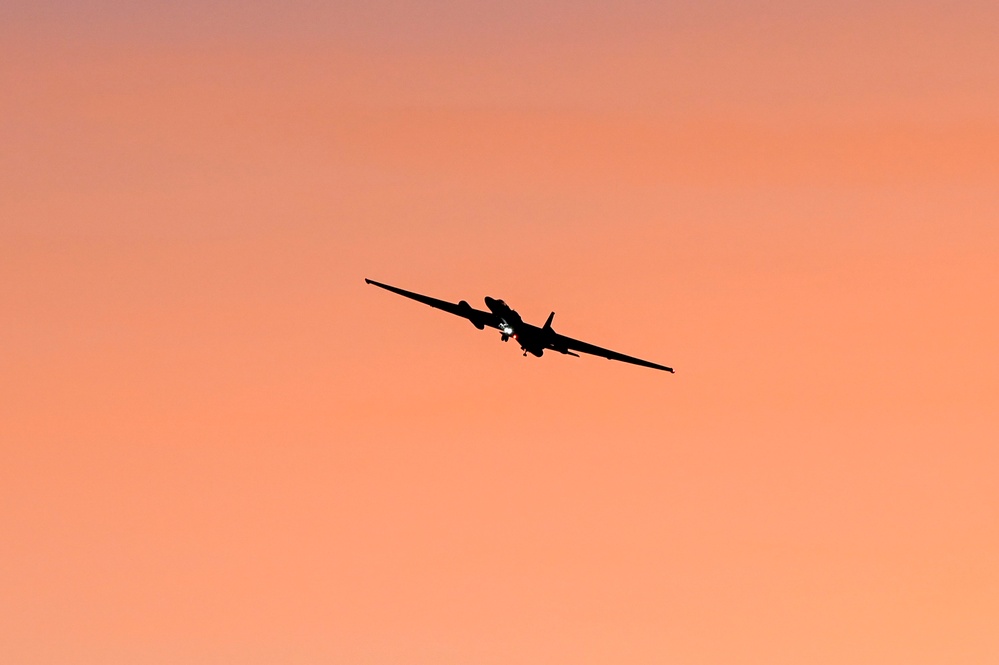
column 532, row 339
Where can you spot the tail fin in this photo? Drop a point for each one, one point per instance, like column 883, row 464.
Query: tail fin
column 548, row 323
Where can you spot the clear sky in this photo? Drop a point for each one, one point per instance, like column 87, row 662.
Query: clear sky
column 220, row 446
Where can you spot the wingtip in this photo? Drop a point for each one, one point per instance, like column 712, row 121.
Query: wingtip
column 367, row 281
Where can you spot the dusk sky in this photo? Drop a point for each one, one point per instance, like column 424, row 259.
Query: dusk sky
column 220, row 446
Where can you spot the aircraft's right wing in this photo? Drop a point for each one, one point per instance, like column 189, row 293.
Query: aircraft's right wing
column 562, row 342
column 478, row 317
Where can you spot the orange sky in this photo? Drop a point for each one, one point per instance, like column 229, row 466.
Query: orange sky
column 220, row 446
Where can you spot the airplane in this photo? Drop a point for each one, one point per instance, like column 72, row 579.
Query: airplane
column 532, row 339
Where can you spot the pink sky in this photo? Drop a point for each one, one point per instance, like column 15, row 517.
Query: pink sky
column 221, row 446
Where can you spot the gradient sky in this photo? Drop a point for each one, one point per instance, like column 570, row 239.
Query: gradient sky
column 220, row 446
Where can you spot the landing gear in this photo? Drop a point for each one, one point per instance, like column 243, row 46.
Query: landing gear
column 505, row 337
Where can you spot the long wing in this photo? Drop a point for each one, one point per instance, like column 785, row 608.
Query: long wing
column 568, row 343
column 478, row 317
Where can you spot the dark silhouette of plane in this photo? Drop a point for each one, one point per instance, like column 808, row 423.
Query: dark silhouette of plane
column 532, row 339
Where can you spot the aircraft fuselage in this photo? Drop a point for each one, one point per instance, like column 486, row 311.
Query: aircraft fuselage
column 532, row 339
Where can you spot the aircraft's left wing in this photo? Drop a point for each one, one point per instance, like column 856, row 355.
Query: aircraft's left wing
column 478, row 317
column 562, row 342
